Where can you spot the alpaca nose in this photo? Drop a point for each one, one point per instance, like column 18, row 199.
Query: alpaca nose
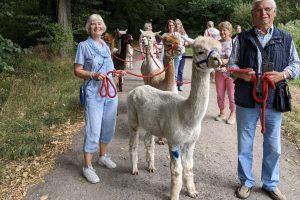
column 218, row 61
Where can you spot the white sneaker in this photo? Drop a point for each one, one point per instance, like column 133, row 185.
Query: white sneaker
column 90, row 174
column 220, row 117
column 107, row 162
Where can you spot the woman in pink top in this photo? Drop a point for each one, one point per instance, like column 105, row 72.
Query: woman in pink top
column 223, row 82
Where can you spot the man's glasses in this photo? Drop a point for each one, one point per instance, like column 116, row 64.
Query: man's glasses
column 267, row 10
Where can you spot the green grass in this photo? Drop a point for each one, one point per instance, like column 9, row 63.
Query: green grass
column 189, row 51
column 296, row 82
column 291, row 120
column 42, row 92
column 291, row 124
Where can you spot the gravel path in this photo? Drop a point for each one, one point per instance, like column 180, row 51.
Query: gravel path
column 215, row 163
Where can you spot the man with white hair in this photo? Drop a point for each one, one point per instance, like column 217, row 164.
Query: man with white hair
column 211, row 31
column 281, row 63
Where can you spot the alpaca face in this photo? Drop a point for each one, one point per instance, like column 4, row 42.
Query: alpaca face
column 148, row 38
column 109, row 39
column 171, row 45
column 206, row 53
column 126, row 38
column 120, row 33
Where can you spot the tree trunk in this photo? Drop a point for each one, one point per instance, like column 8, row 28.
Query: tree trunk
column 64, row 13
column 64, row 18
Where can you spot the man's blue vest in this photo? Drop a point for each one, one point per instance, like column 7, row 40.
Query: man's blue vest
column 278, row 49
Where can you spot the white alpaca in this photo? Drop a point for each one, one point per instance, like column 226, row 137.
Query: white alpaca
column 169, row 115
column 152, row 65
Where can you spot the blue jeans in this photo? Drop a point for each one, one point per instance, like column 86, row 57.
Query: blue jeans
column 180, row 70
column 246, row 125
column 100, row 117
column 176, row 64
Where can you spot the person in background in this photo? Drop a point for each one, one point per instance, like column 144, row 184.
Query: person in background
column 147, row 27
column 179, row 28
column 170, row 30
column 285, row 64
column 157, row 45
column 92, row 62
column 238, row 30
column 211, row 31
column 224, row 83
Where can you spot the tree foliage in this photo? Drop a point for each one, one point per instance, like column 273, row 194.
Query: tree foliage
column 242, row 16
column 293, row 27
column 9, row 54
column 29, row 22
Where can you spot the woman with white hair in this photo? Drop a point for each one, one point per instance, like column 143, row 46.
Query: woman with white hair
column 92, row 62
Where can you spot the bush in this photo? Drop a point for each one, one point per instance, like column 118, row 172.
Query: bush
column 293, row 27
column 9, row 54
column 60, row 39
column 242, row 16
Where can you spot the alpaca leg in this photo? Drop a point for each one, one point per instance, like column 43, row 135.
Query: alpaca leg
column 188, row 163
column 131, row 62
column 134, row 134
column 149, row 145
column 127, row 64
column 176, row 172
column 120, row 84
column 133, row 150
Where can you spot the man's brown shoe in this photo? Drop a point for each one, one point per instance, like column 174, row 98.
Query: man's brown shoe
column 275, row 194
column 243, row 192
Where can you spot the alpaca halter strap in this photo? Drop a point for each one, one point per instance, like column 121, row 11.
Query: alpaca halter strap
column 172, row 50
column 206, row 60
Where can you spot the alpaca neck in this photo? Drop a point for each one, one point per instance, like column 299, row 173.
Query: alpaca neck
column 196, row 105
column 170, row 72
column 149, row 58
column 123, row 51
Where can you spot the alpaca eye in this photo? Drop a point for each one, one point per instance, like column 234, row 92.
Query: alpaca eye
column 200, row 53
column 169, row 45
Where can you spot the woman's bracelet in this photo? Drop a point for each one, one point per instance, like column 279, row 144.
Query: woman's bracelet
column 92, row 75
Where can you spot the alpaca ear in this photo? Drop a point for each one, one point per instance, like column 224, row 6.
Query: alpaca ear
column 125, row 31
column 141, row 31
column 157, row 33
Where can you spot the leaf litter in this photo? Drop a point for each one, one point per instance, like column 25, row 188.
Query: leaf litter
column 18, row 176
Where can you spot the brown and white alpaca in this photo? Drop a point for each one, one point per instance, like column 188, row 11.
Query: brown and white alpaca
column 119, row 59
column 129, row 57
column 174, row 117
column 119, row 33
column 129, row 50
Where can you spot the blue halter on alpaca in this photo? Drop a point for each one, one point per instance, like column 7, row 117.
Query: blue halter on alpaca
column 206, row 60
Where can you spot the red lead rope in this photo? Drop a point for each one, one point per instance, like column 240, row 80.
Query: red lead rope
column 104, row 89
column 265, row 91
